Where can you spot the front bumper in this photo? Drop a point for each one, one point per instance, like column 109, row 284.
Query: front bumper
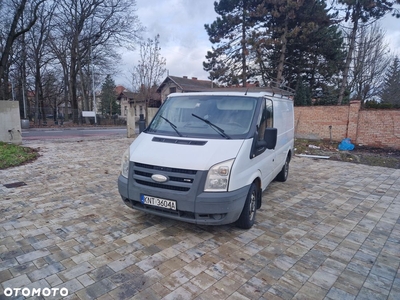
column 204, row 208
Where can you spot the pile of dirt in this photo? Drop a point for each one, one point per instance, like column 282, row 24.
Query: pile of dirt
column 389, row 158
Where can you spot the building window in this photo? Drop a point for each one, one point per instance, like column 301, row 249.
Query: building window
column 135, row 112
column 172, row 90
column 125, row 110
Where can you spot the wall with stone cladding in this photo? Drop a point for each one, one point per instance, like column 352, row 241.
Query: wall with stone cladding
column 377, row 128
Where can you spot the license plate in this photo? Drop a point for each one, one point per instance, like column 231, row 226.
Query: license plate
column 154, row 201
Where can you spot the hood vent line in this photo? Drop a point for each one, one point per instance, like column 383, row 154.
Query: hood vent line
column 179, row 141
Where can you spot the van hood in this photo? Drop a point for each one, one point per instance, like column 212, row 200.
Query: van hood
column 184, row 153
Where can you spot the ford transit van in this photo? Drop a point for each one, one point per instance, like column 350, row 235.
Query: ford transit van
column 206, row 157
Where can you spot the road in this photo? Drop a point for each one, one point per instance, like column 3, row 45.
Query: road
column 44, row 134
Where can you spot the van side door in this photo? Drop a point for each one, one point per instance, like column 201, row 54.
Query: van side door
column 265, row 158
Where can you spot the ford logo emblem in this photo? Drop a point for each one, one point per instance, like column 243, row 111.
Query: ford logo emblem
column 159, row 178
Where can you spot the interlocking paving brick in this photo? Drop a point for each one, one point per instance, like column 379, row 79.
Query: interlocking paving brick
column 237, row 296
column 195, row 267
column 32, row 256
column 203, row 281
column 76, row 271
column 125, row 291
column 16, row 282
column 72, row 286
column 335, row 293
column 323, row 279
column 23, row 269
column 179, row 294
column 53, row 280
column 331, row 232
column 97, row 289
column 46, row 271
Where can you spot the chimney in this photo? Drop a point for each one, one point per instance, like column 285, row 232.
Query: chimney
column 194, row 78
column 185, row 77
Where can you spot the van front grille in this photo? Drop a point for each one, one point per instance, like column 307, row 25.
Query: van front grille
column 163, row 186
column 178, row 179
column 166, row 169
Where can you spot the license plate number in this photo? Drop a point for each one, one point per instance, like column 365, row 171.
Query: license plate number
column 154, row 201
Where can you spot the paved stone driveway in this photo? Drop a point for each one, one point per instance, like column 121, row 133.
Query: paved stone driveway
column 332, row 231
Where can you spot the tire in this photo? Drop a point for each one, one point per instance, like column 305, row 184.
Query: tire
column 248, row 215
column 284, row 173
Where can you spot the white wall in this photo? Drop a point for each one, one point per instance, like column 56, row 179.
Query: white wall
column 10, row 123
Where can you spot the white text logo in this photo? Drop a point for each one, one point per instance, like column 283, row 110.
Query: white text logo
column 35, row 292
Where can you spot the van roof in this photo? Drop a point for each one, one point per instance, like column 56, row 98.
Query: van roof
column 240, row 91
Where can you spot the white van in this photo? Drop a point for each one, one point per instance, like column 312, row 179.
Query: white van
column 207, row 157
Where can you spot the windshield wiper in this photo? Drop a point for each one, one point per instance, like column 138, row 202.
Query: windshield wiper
column 213, row 126
column 172, row 125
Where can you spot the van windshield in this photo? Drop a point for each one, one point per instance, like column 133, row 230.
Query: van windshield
column 210, row 116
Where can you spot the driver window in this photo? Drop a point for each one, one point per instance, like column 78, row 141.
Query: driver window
column 265, row 119
column 270, row 113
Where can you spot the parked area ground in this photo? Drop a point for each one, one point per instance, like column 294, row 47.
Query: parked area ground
column 361, row 154
column 332, row 231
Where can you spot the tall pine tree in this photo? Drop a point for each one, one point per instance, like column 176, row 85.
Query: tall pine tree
column 228, row 61
column 313, row 51
column 391, row 87
column 109, row 105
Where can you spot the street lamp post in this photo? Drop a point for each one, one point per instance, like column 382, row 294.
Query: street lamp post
column 94, row 93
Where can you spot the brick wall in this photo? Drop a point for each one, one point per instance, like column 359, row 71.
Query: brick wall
column 378, row 128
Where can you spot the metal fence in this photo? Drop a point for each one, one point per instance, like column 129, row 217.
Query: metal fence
column 59, row 117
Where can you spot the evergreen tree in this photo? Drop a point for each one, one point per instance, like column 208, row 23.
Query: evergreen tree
column 109, row 105
column 391, row 87
column 313, row 47
column 228, row 60
column 302, row 96
column 274, row 40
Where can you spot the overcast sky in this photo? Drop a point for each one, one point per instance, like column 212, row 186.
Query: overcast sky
column 184, row 41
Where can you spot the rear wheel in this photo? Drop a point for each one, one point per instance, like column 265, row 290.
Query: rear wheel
column 248, row 215
column 284, row 173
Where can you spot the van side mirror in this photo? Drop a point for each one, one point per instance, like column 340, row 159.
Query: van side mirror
column 270, row 137
column 269, row 142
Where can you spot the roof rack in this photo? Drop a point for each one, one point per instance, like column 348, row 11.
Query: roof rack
column 271, row 87
column 274, row 91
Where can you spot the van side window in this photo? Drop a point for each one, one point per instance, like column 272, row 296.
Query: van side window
column 270, row 113
column 265, row 118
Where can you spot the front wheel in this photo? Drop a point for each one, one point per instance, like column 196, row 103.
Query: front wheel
column 284, row 173
column 248, row 215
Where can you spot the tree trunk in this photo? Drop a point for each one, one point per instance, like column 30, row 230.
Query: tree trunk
column 72, row 83
column 282, row 56
column 244, row 50
column 85, row 91
column 348, row 59
column 38, row 116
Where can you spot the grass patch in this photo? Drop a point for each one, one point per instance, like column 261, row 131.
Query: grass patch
column 13, row 155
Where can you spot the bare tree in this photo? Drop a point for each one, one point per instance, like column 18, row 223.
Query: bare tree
column 83, row 26
column 150, row 68
column 39, row 55
column 360, row 13
column 13, row 12
column 370, row 62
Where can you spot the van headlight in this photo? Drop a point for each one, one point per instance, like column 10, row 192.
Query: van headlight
column 218, row 177
column 125, row 164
